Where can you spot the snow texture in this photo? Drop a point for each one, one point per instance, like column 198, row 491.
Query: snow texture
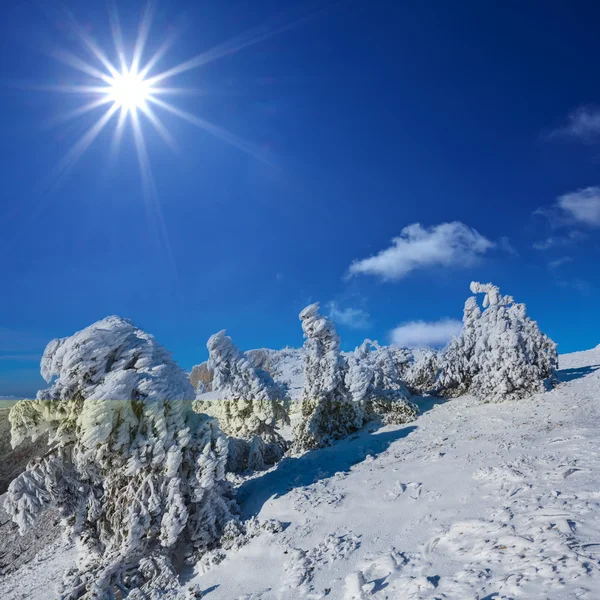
column 374, row 382
column 421, row 371
column 250, row 405
column 137, row 476
column 469, row 502
column 500, row 354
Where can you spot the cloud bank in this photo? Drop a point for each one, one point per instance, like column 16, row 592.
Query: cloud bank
column 417, row 247
column 421, row 334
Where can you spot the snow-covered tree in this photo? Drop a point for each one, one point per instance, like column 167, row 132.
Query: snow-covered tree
column 500, row 353
column 374, row 383
column 402, row 357
column 249, row 402
column 456, row 368
column 421, row 375
column 137, row 475
column 327, row 412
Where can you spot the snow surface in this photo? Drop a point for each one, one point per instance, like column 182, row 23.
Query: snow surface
column 470, row 501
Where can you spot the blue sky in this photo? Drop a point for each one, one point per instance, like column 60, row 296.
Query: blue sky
column 356, row 121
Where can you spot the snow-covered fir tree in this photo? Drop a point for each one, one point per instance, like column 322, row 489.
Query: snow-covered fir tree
column 137, row 475
column 327, row 412
column 374, row 382
column 500, row 353
column 249, row 404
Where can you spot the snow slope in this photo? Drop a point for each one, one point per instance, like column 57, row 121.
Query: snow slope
column 286, row 366
column 469, row 502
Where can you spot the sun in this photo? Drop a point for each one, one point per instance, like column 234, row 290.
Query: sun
column 129, row 90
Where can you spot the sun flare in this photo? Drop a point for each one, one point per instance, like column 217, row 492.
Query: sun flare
column 131, row 88
column 129, row 91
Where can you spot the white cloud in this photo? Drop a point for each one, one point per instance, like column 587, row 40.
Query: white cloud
column 419, row 334
column 583, row 206
column 559, row 241
column 583, row 123
column 417, row 247
column 559, row 262
column 355, row 318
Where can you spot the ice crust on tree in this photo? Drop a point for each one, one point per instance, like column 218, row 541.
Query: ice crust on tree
column 137, row 475
column 374, row 382
column 327, row 412
column 500, row 353
column 249, row 407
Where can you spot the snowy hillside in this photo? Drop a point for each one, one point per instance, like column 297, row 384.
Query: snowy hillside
column 470, row 501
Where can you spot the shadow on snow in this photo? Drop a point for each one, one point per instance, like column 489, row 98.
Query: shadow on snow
column 571, row 374
column 295, row 472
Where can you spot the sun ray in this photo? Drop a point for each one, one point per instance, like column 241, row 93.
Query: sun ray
column 155, row 58
column 130, row 92
column 118, row 135
column 151, row 195
column 158, row 125
column 178, row 91
column 115, row 27
column 78, row 112
column 91, row 44
column 142, row 37
column 75, row 62
column 62, row 88
column 214, row 130
column 84, row 142
column 250, row 38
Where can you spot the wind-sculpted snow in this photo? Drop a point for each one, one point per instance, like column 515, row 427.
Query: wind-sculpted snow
column 374, row 382
column 469, row 502
column 500, row 354
column 137, row 475
column 250, row 405
column 475, row 501
column 327, row 412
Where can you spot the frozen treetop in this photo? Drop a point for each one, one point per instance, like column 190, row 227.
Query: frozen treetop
column 109, row 360
column 112, row 344
column 233, row 371
column 324, row 367
column 315, row 325
column 492, row 294
column 136, row 474
column 252, row 404
column 500, row 353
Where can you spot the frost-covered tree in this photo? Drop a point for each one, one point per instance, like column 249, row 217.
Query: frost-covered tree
column 421, row 375
column 249, row 403
column 456, row 368
column 374, row 383
column 500, row 353
column 402, row 357
column 137, row 475
column 327, row 412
